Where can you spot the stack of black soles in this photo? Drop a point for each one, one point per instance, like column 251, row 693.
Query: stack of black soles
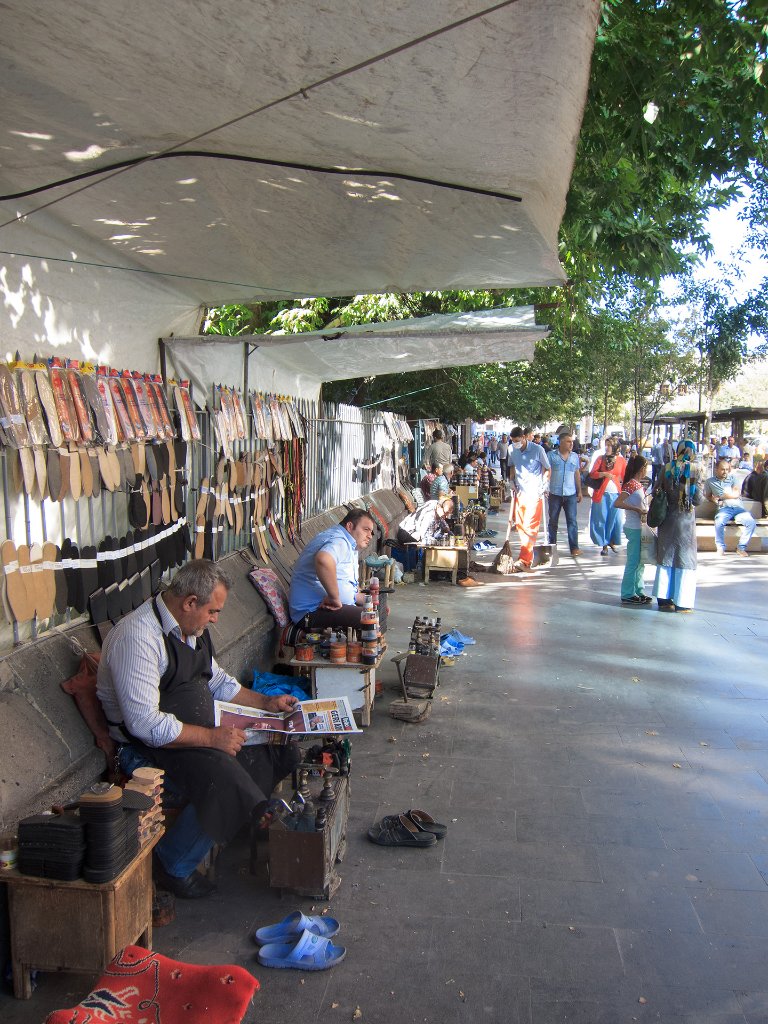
column 111, row 833
column 51, row 846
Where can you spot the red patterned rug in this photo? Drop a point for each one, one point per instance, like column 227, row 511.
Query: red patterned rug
column 141, row 986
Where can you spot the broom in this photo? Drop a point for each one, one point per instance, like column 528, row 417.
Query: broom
column 505, row 558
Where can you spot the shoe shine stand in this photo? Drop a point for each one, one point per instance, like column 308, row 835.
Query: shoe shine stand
column 304, row 863
column 444, row 558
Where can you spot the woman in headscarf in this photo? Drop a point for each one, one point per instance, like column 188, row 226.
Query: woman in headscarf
column 606, row 521
column 675, row 584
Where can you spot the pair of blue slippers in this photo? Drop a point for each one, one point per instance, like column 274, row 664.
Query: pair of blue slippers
column 300, row 941
column 483, row 545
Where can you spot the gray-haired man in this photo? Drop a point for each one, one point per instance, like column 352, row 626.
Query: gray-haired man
column 157, row 682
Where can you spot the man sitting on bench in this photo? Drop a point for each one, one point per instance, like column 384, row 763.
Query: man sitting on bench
column 324, row 584
column 157, row 681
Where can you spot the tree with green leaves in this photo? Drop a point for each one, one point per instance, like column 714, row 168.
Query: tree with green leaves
column 719, row 328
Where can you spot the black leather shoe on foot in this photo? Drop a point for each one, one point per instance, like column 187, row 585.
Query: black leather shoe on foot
column 193, row 887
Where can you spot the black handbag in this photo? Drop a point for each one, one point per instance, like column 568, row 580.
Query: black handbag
column 657, row 510
column 593, row 482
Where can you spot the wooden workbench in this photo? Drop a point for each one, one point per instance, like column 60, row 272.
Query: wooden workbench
column 338, row 679
column 77, row 926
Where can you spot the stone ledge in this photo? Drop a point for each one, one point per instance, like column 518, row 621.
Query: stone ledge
column 49, row 755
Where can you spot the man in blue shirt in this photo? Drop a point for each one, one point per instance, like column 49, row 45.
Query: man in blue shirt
column 564, row 491
column 324, row 585
column 529, row 473
column 724, row 491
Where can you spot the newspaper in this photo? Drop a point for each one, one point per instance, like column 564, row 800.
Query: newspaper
column 333, row 715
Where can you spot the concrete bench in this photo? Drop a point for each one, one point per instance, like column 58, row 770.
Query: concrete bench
column 386, row 504
column 705, row 528
column 49, row 755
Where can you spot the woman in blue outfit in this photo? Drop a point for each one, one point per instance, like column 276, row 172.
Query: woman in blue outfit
column 675, row 584
column 605, row 520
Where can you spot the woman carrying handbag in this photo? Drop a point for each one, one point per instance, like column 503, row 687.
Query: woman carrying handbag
column 633, row 501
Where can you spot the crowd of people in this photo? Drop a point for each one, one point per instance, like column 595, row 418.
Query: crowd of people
column 158, row 677
column 547, row 476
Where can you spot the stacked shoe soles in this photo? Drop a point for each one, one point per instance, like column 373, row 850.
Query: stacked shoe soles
column 111, row 832
column 148, row 782
column 52, row 846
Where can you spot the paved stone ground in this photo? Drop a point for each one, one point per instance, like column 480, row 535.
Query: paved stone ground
column 603, row 771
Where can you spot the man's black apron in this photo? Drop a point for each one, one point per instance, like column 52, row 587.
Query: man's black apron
column 223, row 792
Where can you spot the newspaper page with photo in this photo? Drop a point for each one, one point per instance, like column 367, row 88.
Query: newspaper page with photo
column 332, row 715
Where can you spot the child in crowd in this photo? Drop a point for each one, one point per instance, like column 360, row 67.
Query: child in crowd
column 634, row 502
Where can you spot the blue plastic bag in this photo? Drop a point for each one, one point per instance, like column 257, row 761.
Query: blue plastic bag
column 272, row 685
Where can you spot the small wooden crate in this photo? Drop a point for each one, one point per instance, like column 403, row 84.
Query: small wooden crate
column 465, row 494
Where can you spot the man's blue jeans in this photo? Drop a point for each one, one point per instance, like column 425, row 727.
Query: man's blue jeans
column 745, row 520
column 185, row 843
column 569, row 504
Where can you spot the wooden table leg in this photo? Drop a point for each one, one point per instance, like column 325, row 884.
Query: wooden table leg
column 145, row 939
column 22, row 980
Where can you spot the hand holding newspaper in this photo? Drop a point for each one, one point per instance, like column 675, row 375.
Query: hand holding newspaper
column 332, row 715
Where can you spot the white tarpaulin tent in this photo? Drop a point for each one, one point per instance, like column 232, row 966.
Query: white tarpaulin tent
column 393, row 142
column 299, row 363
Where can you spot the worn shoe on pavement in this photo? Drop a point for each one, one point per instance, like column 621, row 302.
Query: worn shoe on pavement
column 399, row 830
column 576, row 552
column 742, row 552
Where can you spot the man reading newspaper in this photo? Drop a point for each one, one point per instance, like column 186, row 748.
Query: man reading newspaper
column 157, row 683
column 332, row 715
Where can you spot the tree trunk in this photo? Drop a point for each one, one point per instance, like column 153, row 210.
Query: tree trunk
column 707, row 425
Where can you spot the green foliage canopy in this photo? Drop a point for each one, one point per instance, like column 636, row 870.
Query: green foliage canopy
column 674, row 125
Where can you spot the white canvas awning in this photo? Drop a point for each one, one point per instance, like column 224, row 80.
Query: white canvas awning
column 395, row 140
column 299, row 363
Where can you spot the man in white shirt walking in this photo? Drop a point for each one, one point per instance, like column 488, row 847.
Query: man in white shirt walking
column 564, row 491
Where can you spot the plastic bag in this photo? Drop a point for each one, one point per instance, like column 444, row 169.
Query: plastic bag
column 647, row 545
